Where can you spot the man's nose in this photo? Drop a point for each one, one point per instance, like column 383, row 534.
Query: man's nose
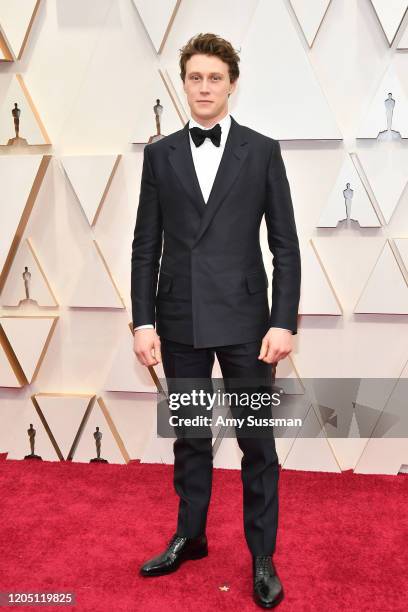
column 204, row 85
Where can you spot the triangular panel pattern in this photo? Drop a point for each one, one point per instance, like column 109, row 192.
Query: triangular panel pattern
column 13, row 90
column 348, row 201
column 95, row 287
column 390, row 13
column 20, row 179
column 90, row 193
column 64, row 414
column 386, row 291
column 157, row 16
column 20, row 288
column 29, row 338
column 310, row 15
column 278, row 112
column 382, row 115
column 317, row 295
column 16, row 20
column 127, row 374
column 385, row 167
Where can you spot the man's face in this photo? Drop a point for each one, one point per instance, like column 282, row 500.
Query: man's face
column 207, row 85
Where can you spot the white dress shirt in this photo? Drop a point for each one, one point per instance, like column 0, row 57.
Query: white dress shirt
column 207, row 157
column 206, row 160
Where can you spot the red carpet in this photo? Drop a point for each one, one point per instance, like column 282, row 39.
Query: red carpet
column 342, row 542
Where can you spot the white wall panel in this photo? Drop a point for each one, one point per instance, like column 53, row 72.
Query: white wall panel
column 313, row 78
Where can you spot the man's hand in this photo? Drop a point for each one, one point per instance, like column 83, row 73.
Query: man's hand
column 146, row 346
column 276, row 345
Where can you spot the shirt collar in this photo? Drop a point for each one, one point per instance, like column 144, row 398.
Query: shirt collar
column 225, row 124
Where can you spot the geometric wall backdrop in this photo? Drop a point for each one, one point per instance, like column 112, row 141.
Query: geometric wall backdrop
column 64, row 415
column 157, row 450
column 310, row 16
column 145, row 121
column 386, row 112
column 401, row 252
column 176, row 94
column 403, row 42
column 13, row 90
column 126, row 373
column 286, row 368
column 110, row 447
column 348, row 267
column 20, row 179
column 134, row 419
column 386, row 290
column 316, row 74
column 317, row 294
column 90, row 194
column 38, row 288
column 385, row 166
column 383, row 456
column 278, row 112
column 29, row 338
column 16, row 19
column 390, row 14
column 95, row 286
column 157, row 16
column 348, row 201
column 314, row 454
column 377, row 402
column 10, row 372
column 385, row 451
column 310, row 446
column 5, row 55
column 18, row 439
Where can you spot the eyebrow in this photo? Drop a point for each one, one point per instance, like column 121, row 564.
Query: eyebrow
column 211, row 73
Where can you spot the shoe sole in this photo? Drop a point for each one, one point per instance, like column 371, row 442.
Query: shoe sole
column 271, row 605
column 174, row 568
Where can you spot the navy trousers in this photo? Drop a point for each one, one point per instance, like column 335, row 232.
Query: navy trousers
column 193, row 456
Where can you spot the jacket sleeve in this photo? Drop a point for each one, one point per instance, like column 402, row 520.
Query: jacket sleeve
column 146, row 248
column 283, row 244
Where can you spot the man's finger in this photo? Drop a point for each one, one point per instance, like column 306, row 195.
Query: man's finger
column 264, row 348
column 147, row 357
column 157, row 351
column 271, row 354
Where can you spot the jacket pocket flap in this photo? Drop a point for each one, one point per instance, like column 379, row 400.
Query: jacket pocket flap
column 257, row 281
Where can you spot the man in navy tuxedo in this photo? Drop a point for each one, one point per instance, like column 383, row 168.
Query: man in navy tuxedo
column 204, row 192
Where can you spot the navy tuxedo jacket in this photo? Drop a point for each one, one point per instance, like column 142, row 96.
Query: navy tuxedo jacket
column 212, row 287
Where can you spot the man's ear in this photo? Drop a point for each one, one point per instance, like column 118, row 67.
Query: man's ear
column 233, row 86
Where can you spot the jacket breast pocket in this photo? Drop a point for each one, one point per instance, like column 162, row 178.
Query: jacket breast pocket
column 257, row 281
column 165, row 283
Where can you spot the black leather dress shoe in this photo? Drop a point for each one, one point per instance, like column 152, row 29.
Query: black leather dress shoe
column 268, row 591
column 179, row 549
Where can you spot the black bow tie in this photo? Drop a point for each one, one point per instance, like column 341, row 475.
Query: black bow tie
column 198, row 135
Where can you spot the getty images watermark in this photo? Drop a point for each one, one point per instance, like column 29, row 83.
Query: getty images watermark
column 238, row 407
column 208, row 400
column 285, row 407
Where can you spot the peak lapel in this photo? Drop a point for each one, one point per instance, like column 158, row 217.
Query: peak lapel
column 233, row 157
column 180, row 157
